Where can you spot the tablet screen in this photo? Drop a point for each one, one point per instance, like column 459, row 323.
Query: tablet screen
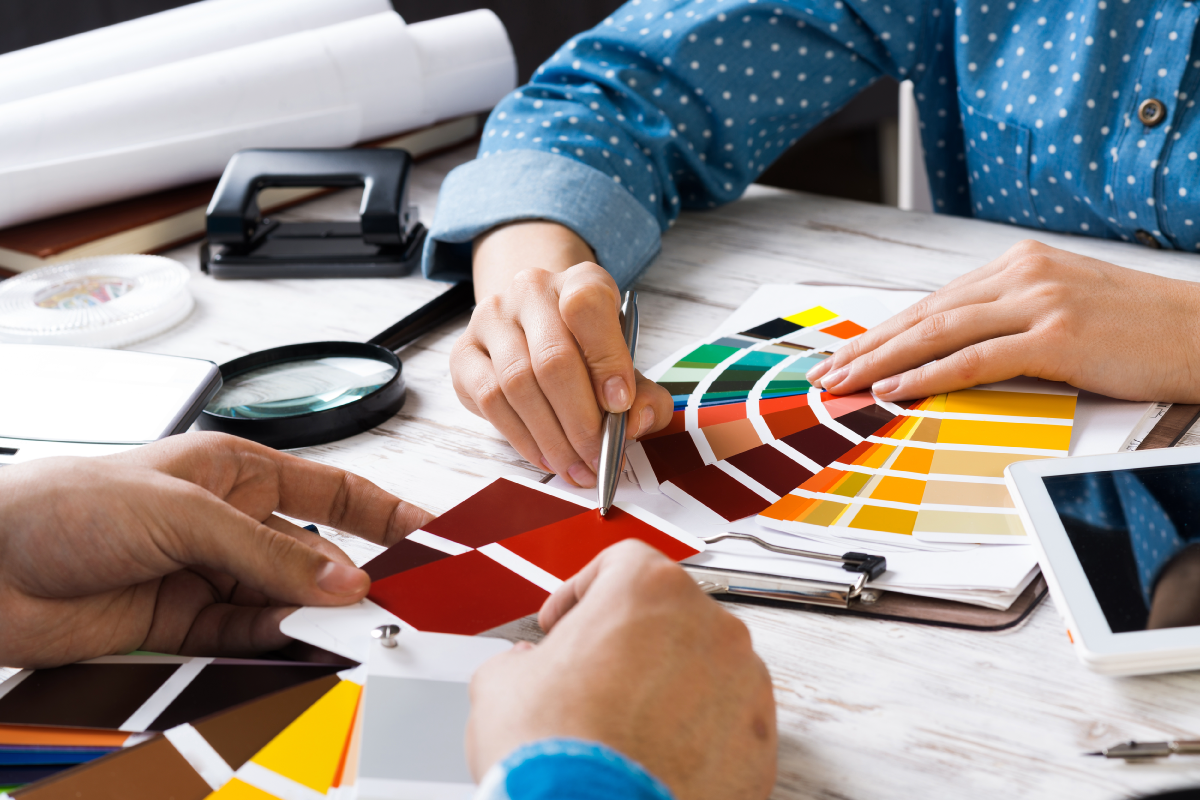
column 1137, row 535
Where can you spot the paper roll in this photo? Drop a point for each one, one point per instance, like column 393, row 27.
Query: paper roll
column 467, row 62
column 187, row 32
column 181, row 122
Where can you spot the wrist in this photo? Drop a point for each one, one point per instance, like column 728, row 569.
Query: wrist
column 550, row 768
column 504, row 251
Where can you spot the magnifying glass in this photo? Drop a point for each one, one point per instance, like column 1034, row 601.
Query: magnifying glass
column 305, row 394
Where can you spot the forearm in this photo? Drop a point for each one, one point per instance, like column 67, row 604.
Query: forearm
column 502, row 252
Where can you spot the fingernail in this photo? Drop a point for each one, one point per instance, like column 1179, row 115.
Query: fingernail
column 616, row 394
column 546, row 465
column 835, row 377
column 814, row 374
column 582, row 476
column 647, row 423
column 886, row 386
column 340, row 579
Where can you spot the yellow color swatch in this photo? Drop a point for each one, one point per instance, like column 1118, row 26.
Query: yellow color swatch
column 1012, row 404
column 915, row 459
column 935, row 403
column 963, row 462
column 309, row 750
column 824, row 513
column 1005, row 434
column 899, row 490
column 813, row 316
column 788, row 508
column 906, row 428
column 958, row 493
column 889, row 520
column 850, row 484
column 239, row 790
column 875, row 457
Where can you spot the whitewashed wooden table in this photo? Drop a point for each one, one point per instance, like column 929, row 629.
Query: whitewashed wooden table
column 867, row 709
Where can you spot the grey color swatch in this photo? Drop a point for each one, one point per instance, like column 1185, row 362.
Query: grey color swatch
column 413, row 730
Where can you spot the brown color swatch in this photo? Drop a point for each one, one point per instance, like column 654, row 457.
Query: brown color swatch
column 83, row 695
column 672, row 455
column 403, row 555
column 241, row 732
column 150, row 771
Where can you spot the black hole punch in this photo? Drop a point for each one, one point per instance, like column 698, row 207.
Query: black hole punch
column 8, row 451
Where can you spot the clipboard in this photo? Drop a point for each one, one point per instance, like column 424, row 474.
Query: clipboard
column 853, row 597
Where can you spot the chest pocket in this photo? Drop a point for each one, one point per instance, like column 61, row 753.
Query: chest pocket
column 998, row 168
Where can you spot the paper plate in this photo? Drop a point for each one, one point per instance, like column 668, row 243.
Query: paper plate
column 107, row 301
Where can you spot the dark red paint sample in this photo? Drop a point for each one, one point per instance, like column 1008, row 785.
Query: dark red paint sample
column 465, row 594
column 502, row 509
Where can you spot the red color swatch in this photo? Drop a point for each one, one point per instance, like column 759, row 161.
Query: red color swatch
column 670, row 456
column 564, row 548
column 785, row 423
column 771, row 468
column 844, row 329
column 769, row 405
column 721, row 493
column 837, row 406
column 465, row 594
column 502, row 509
column 715, row 415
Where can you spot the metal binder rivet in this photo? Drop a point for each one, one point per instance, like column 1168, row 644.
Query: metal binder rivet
column 868, row 597
column 386, row 634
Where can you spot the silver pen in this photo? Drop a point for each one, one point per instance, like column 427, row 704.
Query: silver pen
column 612, row 443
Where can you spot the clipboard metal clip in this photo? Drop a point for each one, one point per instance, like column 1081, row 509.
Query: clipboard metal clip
column 792, row 590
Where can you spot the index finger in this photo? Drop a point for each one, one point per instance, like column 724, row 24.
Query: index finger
column 259, row 481
column 590, row 304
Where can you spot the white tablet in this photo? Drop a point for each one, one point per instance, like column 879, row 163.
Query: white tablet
column 1118, row 538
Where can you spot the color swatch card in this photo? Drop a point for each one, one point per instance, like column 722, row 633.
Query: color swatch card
column 766, row 359
column 764, row 456
column 492, row 559
column 133, row 694
column 189, row 761
column 934, row 473
column 414, row 717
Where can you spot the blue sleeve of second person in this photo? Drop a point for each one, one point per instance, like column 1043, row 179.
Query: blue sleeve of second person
column 667, row 104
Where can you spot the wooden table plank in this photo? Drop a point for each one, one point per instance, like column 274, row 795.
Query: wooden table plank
column 867, row 709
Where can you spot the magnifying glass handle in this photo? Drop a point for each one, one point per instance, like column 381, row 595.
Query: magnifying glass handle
column 443, row 308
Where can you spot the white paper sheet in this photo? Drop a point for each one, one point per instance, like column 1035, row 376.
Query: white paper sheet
column 181, row 122
column 164, row 38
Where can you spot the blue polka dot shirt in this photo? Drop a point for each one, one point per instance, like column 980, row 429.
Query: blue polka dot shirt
column 1062, row 116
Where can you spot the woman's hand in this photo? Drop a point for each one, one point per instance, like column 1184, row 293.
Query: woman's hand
column 543, row 357
column 174, row 547
column 1034, row 311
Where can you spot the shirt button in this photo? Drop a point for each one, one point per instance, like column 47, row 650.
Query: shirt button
column 1152, row 112
column 1147, row 238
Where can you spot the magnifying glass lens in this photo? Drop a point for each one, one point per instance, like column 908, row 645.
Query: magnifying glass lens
column 300, row 387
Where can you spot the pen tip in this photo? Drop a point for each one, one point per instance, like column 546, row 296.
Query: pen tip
column 603, row 511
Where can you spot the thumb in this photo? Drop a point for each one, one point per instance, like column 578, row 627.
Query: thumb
column 623, row 557
column 208, row 532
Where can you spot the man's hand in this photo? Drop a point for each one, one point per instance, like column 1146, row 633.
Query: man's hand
column 174, row 548
column 543, row 356
column 636, row 658
column 1034, row 311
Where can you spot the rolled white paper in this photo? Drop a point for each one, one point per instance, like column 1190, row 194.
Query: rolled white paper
column 180, row 33
column 467, row 62
column 181, row 122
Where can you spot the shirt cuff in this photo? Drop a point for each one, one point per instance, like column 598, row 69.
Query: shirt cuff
column 529, row 184
column 569, row 769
